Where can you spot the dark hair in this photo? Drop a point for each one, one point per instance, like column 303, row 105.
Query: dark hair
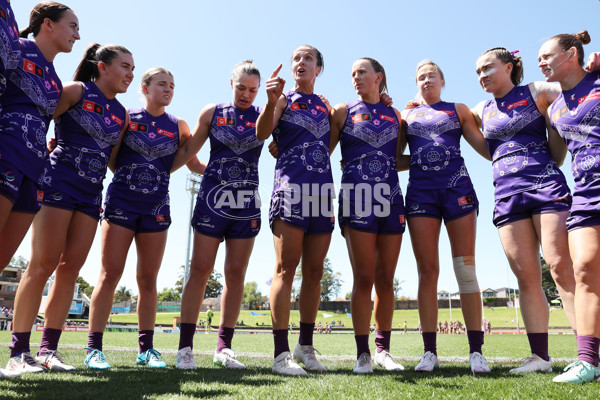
column 245, row 67
column 566, row 41
column 378, row 69
column 46, row 9
column 320, row 61
column 87, row 70
column 505, row 56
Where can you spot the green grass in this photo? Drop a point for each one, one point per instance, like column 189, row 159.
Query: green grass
column 452, row 380
column 501, row 317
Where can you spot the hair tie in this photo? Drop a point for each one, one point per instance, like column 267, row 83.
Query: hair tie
column 512, row 53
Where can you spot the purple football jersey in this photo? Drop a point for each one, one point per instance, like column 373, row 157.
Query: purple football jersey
column 515, row 131
column 86, row 135
column 31, row 96
column 143, row 165
column 434, row 134
column 575, row 115
column 10, row 48
column 369, row 143
column 302, row 135
column 233, row 162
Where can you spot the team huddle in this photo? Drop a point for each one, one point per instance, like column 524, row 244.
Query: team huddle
column 524, row 130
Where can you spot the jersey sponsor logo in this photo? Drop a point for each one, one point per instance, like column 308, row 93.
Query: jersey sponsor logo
column 223, row 121
column 250, row 124
column 520, row 103
column 321, row 108
column 93, row 107
column 254, row 224
column 54, row 84
column 402, row 219
column 166, row 133
column 589, row 97
column 465, row 200
column 40, row 196
column 32, row 68
column 450, row 113
column 299, row 106
column 557, row 114
column 116, row 119
column 134, row 126
column 332, row 219
column 160, row 218
column 361, row 117
column 387, row 118
column 9, row 175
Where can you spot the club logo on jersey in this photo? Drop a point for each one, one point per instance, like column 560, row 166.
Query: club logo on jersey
column 360, row 118
column 250, row 124
column 116, row 119
column 589, row 97
column 134, row 126
column 465, row 200
column 166, row 133
column 557, row 114
column 223, row 121
column 93, row 107
column 520, row 103
column 40, row 196
column 387, row 118
column 254, row 224
column 299, row 106
column 32, row 68
column 160, row 218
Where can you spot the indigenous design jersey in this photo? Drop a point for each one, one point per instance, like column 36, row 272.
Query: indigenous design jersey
column 231, row 176
column 10, row 49
column 575, row 115
column 434, row 134
column 32, row 93
column 86, row 135
column 302, row 135
column 369, row 143
column 143, row 165
column 515, row 132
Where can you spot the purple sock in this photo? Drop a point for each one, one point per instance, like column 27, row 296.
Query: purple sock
column 225, row 337
column 587, row 347
column 280, row 336
column 575, row 333
column 186, row 335
column 430, row 342
column 539, row 344
column 362, row 345
column 475, row 341
column 95, row 340
column 50, row 338
column 146, row 340
column 306, row 334
column 20, row 343
column 382, row 340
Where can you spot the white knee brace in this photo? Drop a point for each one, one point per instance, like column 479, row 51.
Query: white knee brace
column 464, row 269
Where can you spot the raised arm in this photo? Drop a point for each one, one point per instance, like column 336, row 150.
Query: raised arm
column 191, row 144
column 276, row 103
column 471, row 132
column 337, row 117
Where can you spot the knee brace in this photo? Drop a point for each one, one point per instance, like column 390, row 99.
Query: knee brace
column 464, row 269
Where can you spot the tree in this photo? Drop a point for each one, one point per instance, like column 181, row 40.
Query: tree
column 19, row 261
column 397, row 287
column 181, row 281
column 169, row 295
column 213, row 286
column 252, row 296
column 85, row 287
column 548, row 283
column 349, row 296
column 122, row 294
column 331, row 282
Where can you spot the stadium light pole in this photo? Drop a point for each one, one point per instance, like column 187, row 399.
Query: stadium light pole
column 192, row 186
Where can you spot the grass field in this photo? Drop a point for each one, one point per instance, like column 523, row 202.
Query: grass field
column 453, row 380
column 501, row 317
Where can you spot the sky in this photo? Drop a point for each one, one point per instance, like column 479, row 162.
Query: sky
column 201, row 41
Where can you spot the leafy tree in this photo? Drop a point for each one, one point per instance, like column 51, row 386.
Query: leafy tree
column 252, row 296
column 548, row 283
column 397, row 287
column 85, row 287
column 181, row 281
column 122, row 294
column 18, row 261
column 169, row 295
column 349, row 296
column 213, row 286
column 331, row 282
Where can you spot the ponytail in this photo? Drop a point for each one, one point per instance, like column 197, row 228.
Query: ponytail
column 505, row 56
column 46, row 9
column 95, row 53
